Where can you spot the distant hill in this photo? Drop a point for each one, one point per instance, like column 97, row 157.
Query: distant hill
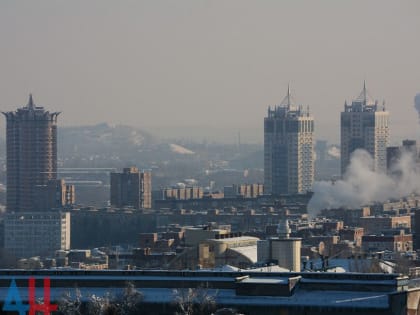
column 106, row 145
column 171, row 160
column 249, row 160
column 102, row 139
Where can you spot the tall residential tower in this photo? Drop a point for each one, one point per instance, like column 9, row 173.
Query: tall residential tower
column 131, row 188
column 31, row 140
column 364, row 125
column 288, row 149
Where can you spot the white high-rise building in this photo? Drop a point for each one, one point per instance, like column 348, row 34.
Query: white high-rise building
column 364, row 125
column 288, row 149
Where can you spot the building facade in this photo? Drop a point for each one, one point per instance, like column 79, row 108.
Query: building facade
column 396, row 243
column 379, row 224
column 243, row 190
column 31, row 139
column 131, row 188
column 181, row 193
column 288, row 149
column 364, row 125
column 231, row 249
column 28, row 234
column 56, row 194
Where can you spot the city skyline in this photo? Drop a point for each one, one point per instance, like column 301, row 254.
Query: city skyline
column 175, row 59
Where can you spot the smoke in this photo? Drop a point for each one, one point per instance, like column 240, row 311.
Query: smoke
column 417, row 103
column 362, row 186
column 334, row 152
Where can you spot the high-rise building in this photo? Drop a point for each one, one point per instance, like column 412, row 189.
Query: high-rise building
column 288, row 149
column 31, row 139
column 364, row 125
column 131, row 188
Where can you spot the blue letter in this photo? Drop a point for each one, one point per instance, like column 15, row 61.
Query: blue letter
column 13, row 302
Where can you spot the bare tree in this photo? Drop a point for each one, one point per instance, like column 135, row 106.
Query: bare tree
column 70, row 304
column 191, row 301
column 127, row 303
column 98, row 305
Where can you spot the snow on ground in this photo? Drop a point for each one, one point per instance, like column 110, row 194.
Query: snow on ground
column 176, row 148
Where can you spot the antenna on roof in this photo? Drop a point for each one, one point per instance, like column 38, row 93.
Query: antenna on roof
column 31, row 104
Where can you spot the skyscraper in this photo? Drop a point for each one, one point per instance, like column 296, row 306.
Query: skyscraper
column 364, row 125
column 288, row 149
column 131, row 188
column 31, row 140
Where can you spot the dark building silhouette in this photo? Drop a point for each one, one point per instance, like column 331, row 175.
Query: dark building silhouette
column 131, row 188
column 394, row 155
column 31, row 139
column 56, row 194
column 410, row 146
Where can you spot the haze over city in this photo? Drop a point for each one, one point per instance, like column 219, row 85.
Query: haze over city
column 209, row 68
column 210, row 157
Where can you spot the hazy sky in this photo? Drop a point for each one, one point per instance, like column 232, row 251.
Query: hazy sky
column 211, row 67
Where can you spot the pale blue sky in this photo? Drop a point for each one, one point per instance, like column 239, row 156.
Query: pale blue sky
column 211, row 67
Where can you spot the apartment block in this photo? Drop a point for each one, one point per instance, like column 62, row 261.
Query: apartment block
column 131, row 188
column 28, row 234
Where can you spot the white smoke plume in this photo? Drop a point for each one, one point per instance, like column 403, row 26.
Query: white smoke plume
column 334, row 152
column 417, row 103
column 361, row 185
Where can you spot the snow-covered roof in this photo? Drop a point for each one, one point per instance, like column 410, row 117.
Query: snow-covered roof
column 266, row 280
column 350, row 265
column 248, row 251
column 237, row 239
column 229, row 268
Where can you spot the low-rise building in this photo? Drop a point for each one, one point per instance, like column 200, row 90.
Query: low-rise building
column 396, row 243
column 195, row 235
column 229, row 249
column 352, row 234
column 378, row 224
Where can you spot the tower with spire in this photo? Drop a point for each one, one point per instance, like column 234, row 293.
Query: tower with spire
column 364, row 125
column 31, row 148
column 288, row 148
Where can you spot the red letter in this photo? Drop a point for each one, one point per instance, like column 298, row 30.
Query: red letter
column 45, row 307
